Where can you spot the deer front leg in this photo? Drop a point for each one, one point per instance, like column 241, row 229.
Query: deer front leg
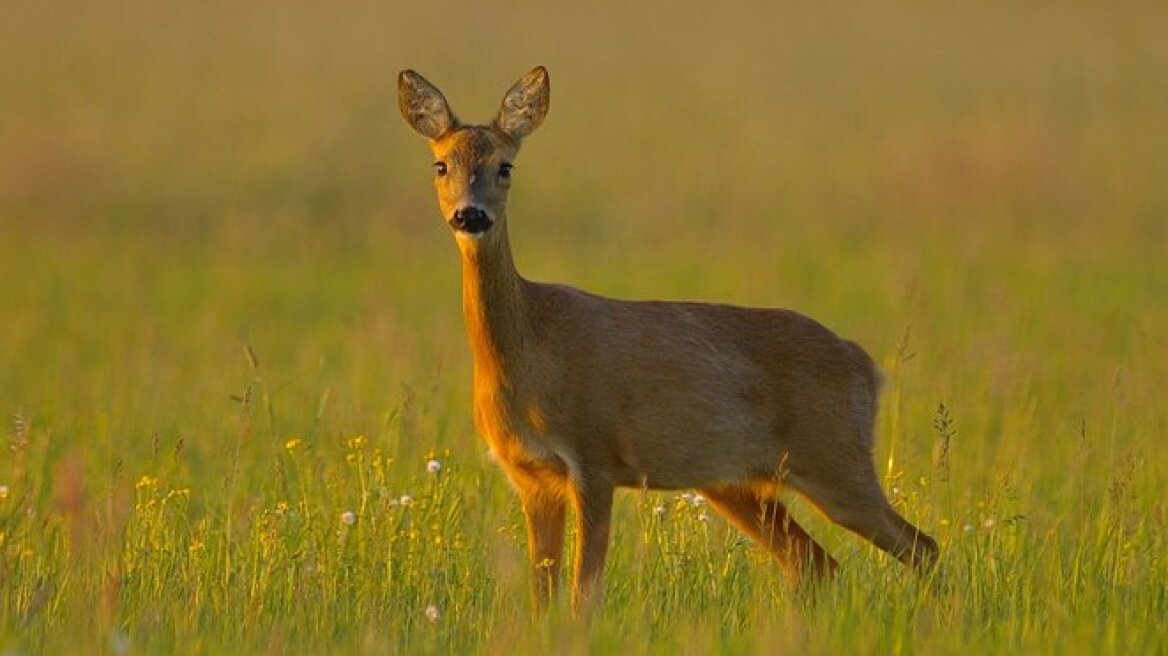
column 542, row 495
column 593, row 503
column 544, row 512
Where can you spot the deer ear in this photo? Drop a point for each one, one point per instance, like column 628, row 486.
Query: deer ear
column 525, row 105
column 423, row 106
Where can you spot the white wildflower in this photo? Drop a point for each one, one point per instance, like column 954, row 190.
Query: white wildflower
column 432, row 613
column 348, row 517
column 119, row 642
column 434, row 466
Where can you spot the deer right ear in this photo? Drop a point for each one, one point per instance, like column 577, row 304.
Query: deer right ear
column 423, row 106
column 525, row 105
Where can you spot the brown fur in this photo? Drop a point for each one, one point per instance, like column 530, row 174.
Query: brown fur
column 577, row 394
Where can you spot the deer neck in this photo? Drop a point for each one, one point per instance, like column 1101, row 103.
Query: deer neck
column 493, row 304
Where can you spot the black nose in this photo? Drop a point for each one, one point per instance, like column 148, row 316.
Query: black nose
column 470, row 219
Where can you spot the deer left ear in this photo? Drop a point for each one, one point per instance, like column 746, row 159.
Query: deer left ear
column 525, row 105
column 423, row 106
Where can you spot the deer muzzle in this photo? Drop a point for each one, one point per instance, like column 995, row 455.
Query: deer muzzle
column 471, row 220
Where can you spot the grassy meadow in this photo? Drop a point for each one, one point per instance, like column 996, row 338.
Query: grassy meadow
column 231, row 339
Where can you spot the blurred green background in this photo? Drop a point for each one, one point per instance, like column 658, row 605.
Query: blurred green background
column 977, row 192
column 178, row 181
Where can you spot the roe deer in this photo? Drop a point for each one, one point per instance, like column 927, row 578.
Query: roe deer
column 577, row 394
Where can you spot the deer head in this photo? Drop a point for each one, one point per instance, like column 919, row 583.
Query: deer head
column 473, row 163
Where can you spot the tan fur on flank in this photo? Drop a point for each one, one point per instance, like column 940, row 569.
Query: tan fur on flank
column 578, row 394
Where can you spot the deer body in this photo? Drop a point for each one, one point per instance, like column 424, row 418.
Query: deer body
column 669, row 395
column 578, row 394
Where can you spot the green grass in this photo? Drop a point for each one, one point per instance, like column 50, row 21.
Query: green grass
column 229, row 315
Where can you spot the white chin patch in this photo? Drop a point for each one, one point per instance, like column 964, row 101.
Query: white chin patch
column 463, row 235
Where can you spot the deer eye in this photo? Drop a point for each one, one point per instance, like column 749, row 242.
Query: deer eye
column 505, row 170
column 439, row 168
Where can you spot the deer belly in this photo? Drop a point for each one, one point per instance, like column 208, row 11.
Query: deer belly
column 675, row 441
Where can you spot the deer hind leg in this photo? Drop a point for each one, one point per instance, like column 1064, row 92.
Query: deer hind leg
column 766, row 520
column 859, row 505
